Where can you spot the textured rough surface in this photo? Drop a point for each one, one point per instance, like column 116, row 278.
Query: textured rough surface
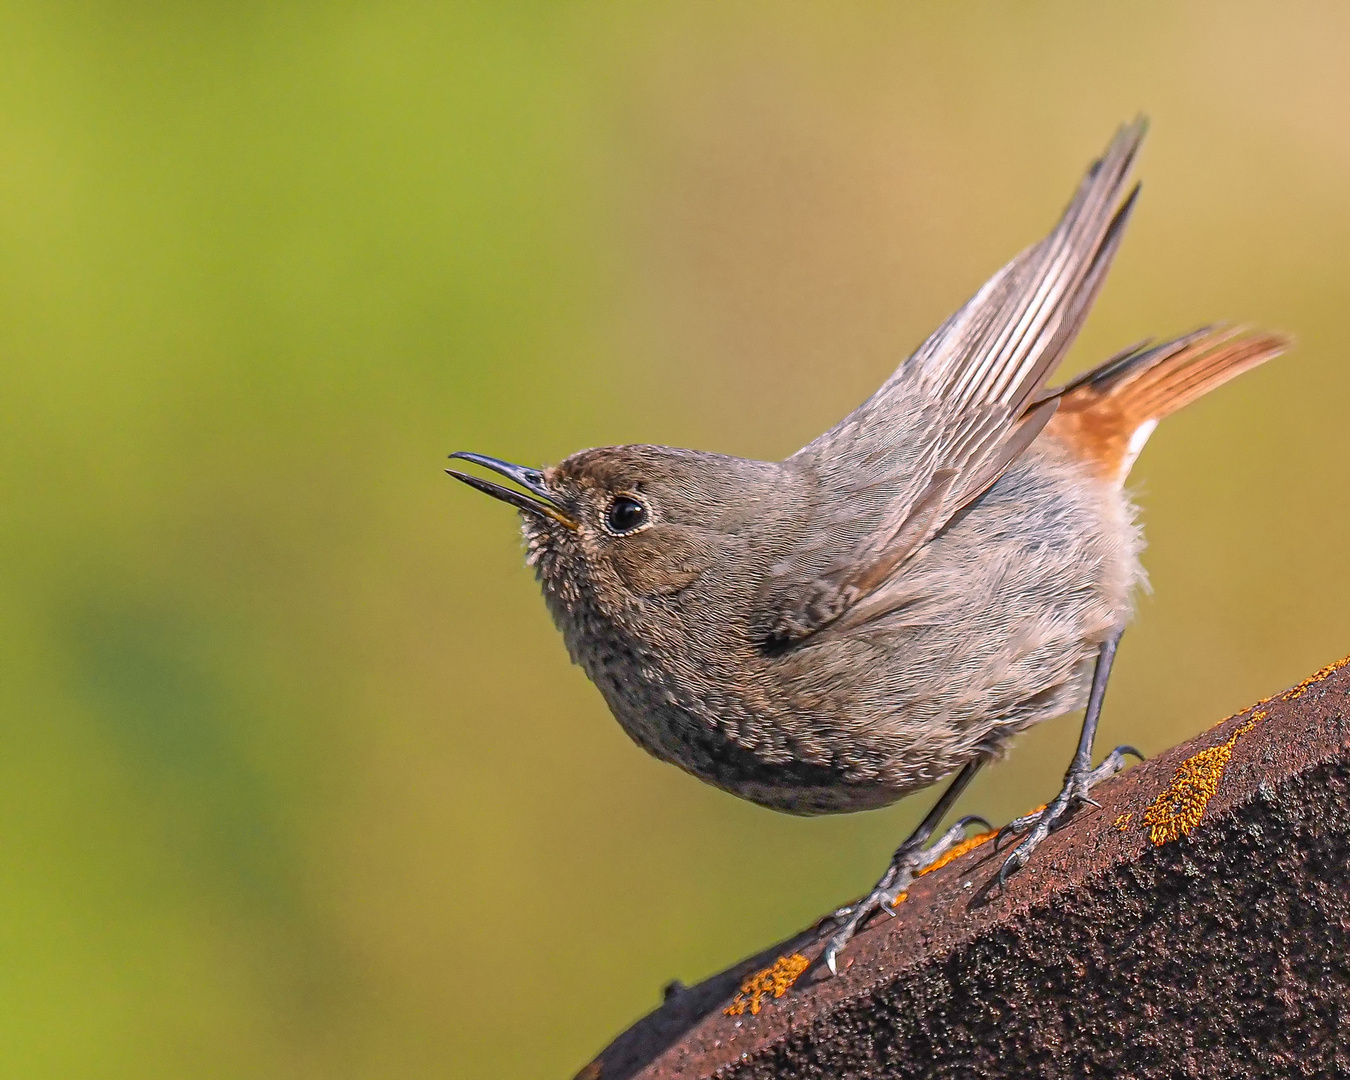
column 1224, row 951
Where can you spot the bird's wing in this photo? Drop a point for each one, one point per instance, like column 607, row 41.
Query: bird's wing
column 952, row 417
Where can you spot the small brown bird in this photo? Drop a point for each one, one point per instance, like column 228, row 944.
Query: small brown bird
column 900, row 597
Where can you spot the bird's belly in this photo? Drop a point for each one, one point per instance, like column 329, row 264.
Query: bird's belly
column 786, row 761
column 765, row 771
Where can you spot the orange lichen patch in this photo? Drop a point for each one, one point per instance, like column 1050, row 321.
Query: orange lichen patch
column 1316, row 677
column 969, row 844
column 773, row 981
column 1263, row 702
column 1178, row 809
column 1123, row 821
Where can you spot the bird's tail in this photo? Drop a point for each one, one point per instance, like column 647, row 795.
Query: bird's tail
column 1109, row 413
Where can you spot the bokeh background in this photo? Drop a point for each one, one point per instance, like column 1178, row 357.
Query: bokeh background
column 295, row 778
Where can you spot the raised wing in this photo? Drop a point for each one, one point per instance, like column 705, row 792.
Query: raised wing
column 953, row 416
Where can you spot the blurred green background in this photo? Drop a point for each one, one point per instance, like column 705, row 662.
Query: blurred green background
column 295, row 778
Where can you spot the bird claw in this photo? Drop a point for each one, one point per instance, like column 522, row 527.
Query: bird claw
column 909, row 861
column 1041, row 823
column 1017, row 826
column 969, row 820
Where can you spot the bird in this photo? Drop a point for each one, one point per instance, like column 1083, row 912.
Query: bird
column 950, row 564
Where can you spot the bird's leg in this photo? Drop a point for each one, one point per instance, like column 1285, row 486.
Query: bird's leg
column 1078, row 781
column 910, row 859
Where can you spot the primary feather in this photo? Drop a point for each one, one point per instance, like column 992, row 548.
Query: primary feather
column 953, row 416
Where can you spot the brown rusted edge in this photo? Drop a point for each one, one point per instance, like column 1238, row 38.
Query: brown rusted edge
column 1099, row 883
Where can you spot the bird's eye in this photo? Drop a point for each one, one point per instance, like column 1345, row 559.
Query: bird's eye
column 624, row 515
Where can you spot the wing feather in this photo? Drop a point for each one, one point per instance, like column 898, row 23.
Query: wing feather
column 953, row 416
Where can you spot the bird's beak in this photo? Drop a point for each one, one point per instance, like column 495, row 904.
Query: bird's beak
column 532, row 480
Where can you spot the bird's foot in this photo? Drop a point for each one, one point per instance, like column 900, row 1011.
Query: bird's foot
column 909, row 861
column 1041, row 823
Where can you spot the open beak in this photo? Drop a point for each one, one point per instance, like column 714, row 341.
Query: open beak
column 532, row 480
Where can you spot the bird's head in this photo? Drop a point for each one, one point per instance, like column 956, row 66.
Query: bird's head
column 627, row 532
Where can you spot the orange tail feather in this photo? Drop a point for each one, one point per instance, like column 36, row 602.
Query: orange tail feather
column 1109, row 413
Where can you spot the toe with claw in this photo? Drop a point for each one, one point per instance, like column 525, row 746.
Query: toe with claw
column 909, row 861
column 1036, row 826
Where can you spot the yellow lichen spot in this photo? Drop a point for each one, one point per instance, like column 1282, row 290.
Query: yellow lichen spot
column 772, row 981
column 1316, row 677
column 1123, row 821
column 969, row 844
column 1178, row 809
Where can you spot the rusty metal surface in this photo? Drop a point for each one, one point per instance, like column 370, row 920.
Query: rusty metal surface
column 1122, row 949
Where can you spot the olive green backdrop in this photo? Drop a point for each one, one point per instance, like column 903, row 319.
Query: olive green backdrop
column 295, row 778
